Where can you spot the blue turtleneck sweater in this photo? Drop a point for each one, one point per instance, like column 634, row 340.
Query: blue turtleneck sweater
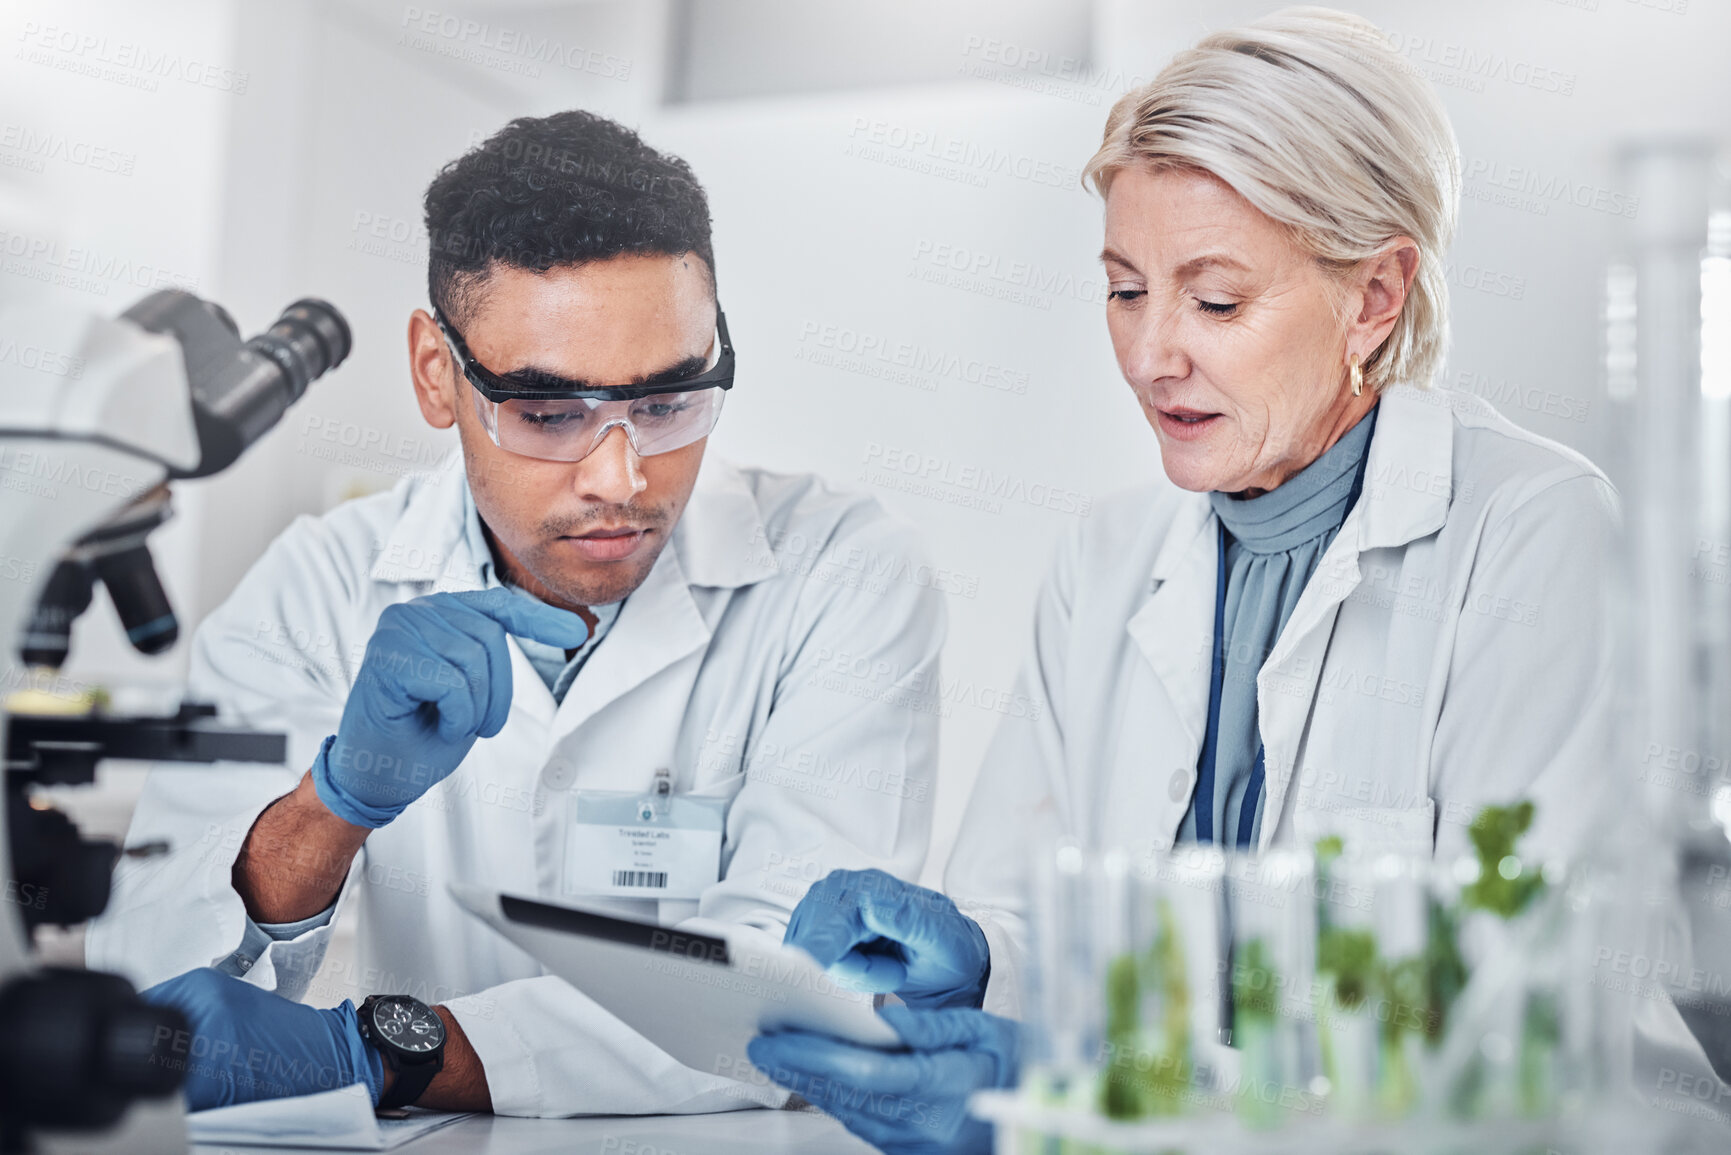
column 1272, row 545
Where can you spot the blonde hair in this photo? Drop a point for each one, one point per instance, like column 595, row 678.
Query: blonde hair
column 1312, row 118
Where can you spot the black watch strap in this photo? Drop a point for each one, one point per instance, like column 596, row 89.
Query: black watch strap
column 410, row 1083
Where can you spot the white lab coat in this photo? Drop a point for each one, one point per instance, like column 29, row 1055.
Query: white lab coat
column 1451, row 650
column 778, row 655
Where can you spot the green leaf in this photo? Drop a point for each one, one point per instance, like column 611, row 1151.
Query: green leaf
column 1147, row 1072
column 1505, row 885
column 1350, row 956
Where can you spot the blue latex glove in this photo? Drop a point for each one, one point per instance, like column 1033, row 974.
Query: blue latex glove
column 436, row 675
column 245, row 1043
column 911, row 1102
column 874, row 932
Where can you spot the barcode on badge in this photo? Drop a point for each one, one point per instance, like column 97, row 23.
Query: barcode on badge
column 656, row 879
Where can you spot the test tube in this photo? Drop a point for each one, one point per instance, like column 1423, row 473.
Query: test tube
column 1159, row 942
column 1272, row 911
column 1063, row 1021
column 1372, row 995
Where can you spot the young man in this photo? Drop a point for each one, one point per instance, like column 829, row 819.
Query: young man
column 581, row 603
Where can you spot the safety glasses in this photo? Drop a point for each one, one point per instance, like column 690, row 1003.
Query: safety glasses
column 537, row 414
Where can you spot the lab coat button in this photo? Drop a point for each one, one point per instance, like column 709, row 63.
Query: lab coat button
column 1179, row 788
column 557, row 775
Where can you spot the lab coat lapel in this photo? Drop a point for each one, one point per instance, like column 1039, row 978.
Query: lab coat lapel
column 1286, row 684
column 428, row 544
column 530, row 696
column 658, row 625
column 716, row 545
column 1405, row 497
column 1174, row 630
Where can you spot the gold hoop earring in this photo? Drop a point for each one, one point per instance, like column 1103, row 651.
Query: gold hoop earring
column 1357, row 376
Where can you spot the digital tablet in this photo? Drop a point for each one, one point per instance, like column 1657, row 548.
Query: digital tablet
column 700, row 991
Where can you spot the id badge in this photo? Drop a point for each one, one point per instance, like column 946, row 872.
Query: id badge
column 655, row 845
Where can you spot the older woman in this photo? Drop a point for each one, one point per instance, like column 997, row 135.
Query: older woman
column 1369, row 609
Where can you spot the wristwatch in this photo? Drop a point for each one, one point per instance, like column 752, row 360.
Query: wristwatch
column 410, row 1037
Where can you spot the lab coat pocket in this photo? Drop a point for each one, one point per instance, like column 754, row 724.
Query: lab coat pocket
column 1370, row 829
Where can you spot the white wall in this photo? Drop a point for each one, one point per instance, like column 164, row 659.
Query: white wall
column 840, row 217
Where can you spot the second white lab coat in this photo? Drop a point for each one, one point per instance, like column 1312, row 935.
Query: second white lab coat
column 778, row 656
column 1452, row 649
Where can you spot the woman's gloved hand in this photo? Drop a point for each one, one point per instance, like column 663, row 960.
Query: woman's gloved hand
column 436, row 675
column 244, row 1043
column 874, row 932
column 911, row 1102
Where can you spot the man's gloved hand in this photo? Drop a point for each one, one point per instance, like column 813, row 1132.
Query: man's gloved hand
column 436, row 675
column 874, row 932
column 244, row 1043
column 911, row 1102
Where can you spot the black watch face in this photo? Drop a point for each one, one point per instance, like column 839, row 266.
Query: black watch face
column 408, row 1025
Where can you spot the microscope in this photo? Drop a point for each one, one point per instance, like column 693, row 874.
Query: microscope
column 168, row 390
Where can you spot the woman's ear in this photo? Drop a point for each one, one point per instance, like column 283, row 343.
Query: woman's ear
column 1382, row 285
column 433, row 371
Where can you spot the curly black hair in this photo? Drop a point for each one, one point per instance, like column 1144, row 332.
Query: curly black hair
column 554, row 190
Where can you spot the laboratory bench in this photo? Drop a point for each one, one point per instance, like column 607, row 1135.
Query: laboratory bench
column 806, row 1132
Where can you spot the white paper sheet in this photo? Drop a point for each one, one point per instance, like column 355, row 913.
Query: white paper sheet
column 340, row 1120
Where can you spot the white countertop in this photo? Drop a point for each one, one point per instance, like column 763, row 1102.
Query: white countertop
column 806, row 1132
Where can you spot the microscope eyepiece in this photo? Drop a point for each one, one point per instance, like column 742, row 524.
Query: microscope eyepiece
column 307, row 341
column 239, row 389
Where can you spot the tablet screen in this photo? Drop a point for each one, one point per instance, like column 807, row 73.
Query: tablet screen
column 647, row 935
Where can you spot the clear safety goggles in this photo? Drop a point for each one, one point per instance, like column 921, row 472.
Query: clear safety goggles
column 554, row 419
